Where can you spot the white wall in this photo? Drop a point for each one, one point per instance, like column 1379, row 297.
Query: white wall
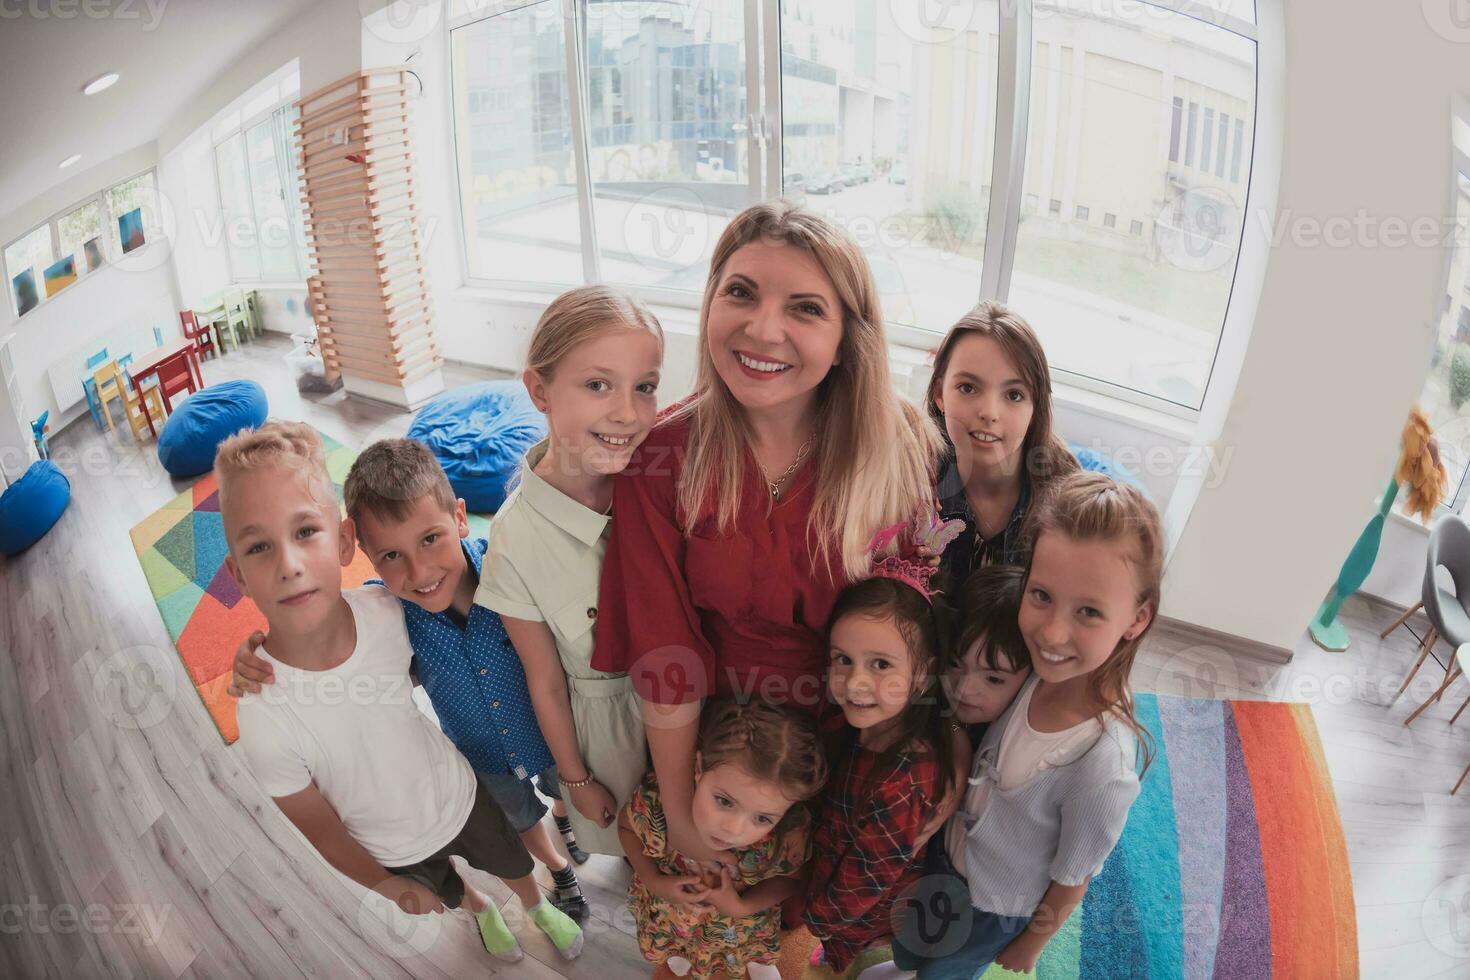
column 115, row 307
column 1341, row 339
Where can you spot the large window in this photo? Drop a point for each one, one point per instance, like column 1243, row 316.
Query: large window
column 1446, row 395
column 1090, row 165
column 80, row 240
column 260, row 197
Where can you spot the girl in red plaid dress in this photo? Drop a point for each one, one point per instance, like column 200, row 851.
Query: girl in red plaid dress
column 893, row 763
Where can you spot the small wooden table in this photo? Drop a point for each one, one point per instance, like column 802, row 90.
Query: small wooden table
column 148, row 363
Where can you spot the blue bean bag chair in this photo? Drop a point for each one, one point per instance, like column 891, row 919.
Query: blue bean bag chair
column 479, row 433
column 205, row 419
column 31, row 505
column 1095, row 462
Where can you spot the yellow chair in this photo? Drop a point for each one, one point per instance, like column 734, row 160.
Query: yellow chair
column 108, row 382
column 110, row 385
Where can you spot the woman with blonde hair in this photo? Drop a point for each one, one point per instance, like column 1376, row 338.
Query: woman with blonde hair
column 753, row 501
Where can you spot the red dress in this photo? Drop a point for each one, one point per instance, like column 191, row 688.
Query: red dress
column 741, row 613
column 865, row 855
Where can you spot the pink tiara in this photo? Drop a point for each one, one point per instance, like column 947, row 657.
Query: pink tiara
column 895, row 551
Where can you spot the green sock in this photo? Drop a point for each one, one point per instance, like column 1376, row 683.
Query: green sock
column 497, row 936
column 565, row 935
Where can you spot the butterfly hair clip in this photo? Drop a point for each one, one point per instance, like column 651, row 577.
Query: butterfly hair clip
column 904, row 551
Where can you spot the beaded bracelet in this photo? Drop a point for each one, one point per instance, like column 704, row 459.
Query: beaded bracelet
column 577, row 784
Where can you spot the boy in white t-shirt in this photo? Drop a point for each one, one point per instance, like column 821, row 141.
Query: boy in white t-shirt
column 338, row 741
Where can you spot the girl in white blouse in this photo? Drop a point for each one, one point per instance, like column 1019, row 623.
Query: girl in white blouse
column 1055, row 776
column 593, row 369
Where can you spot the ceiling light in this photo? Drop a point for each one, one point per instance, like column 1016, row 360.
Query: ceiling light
column 98, row 84
column 70, row 160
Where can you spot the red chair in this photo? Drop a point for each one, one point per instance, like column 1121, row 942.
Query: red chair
column 175, row 375
column 200, row 334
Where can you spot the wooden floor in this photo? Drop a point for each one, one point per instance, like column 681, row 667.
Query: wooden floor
column 137, row 844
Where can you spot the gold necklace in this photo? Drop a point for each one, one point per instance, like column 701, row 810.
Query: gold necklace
column 776, row 484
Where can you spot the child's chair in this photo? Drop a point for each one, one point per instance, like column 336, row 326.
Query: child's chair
column 235, row 312
column 252, row 310
column 111, row 384
column 198, row 333
column 89, row 388
column 38, row 433
column 224, row 330
column 175, row 375
column 107, row 382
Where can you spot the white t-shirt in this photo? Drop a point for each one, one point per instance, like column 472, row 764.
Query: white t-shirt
column 400, row 786
column 1023, row 753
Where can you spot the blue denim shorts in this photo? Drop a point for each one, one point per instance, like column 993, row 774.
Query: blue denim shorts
column 942, row 936
column 517, row 797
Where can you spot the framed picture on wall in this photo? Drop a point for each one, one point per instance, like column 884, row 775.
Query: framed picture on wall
column 130, row 229
column 61, row 274
column 24, row 287
column 92, row 249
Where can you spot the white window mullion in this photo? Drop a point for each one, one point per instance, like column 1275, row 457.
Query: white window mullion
column 1012, row 109
column 756, row 146
column 573, row 13
column 771, row 117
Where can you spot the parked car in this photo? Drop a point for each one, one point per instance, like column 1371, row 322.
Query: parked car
column 826, row 183
column 856, row 173
column 898, row 175
column 793, row 183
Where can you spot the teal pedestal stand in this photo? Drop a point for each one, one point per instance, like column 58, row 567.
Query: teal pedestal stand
column 1328, row 633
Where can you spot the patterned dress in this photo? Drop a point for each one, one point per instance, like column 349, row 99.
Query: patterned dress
column 864, row 855
column 717, row 944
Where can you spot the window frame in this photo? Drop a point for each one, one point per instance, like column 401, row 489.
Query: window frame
column 1455, row 504
column 52, row 224
column 764, row 133
column 222, row 135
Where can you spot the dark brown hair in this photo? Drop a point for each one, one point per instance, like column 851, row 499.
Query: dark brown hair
column 775, row 744
column 1045, row 456
column 389, row 476
column 1095, row 507
column 926, row 628
column 989, row 610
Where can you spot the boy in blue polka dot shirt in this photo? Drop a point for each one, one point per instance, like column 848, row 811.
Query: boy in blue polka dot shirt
column 416, row 534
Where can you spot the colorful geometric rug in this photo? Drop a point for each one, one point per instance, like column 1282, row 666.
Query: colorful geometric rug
column 1232, row 866
column 181, row 547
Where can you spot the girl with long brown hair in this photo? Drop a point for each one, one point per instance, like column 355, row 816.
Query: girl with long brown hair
column 991, row 393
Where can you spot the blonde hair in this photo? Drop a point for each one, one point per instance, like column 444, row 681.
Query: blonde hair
column 390, row 475
column 874, row 453
column 1045, row 456
column 579, row 314
column 294, row 445
column 1095, row 507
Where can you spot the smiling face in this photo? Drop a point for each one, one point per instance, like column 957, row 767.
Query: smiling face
column 419, row 557
column 288, row 544
column 987, row 404
column 601, row 400
column 1080, row 602
column 870, row 674
column 774, row 326
column 732, row 808
column 980, row 692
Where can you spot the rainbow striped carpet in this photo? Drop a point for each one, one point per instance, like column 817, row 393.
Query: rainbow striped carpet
column 1232, row 866
column 1233, row 863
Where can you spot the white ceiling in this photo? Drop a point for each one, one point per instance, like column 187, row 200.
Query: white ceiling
column 166, row 51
